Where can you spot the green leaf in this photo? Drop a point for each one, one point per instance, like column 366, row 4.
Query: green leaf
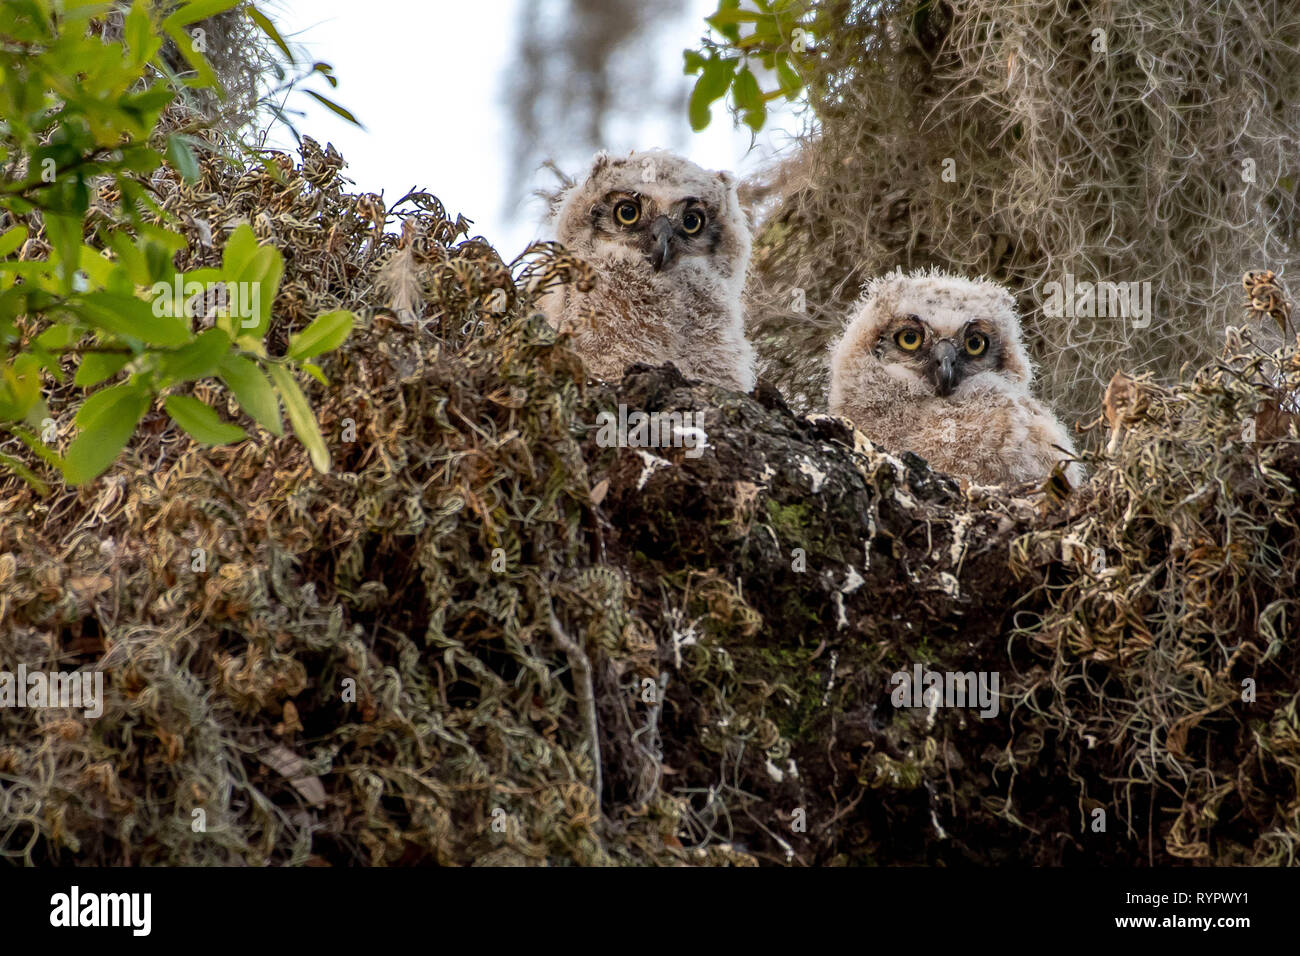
column 158, row 263
column 749, row 99
column 39, row 411
column 182, row 158
column 167, row 239
column 25, row 473
column 300, row 416
column 12, row 239
column 107, row 420
column 717, row 76
column 314, row 370
column 712, row 84
column 138, row 33
column 130, row 257
column 201, row 357
column 253, row 392
column 243, row 260
column 791, row 82
column 37, row 447
column 204, row 77
column 745, row 89
column 331, row 105
column 197, row 10
column 266, row 265
column 127, row 315
column 240, row 247
column 201, row 421
column 58, row 336
column 98, row 405
column 269, row 29
column 327, row 332
column 98, row 366
column 98, row 267
column 727, row 17
column 263, row 272
column 327, row 71
column 64, row 233
column 20, row 387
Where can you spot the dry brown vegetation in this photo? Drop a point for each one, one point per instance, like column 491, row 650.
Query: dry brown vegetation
column 482, row 638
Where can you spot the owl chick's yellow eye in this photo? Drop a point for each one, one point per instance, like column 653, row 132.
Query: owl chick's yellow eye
column 909, row 340
column 626, row 213
column 976, row 343
column 692, row 222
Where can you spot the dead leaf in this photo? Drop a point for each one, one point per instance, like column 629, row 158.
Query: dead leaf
column 294, row 769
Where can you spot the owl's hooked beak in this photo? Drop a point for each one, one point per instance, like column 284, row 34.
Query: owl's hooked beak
column 943, row 366
column 661, row 232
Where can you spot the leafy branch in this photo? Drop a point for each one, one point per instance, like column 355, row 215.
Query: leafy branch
column 770, row 40
column 80, row 114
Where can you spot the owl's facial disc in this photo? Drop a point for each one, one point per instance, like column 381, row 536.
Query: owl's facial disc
column 943, row 353
column 662, row 229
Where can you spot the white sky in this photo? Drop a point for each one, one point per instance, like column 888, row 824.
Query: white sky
column 410, row 69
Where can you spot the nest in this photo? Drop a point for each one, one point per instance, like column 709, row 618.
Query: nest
column 483, row 639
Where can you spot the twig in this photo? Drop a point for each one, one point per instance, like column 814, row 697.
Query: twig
column 581, row 667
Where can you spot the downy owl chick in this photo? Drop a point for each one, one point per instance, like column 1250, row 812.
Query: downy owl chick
column 934, row 364
column 670, row 246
